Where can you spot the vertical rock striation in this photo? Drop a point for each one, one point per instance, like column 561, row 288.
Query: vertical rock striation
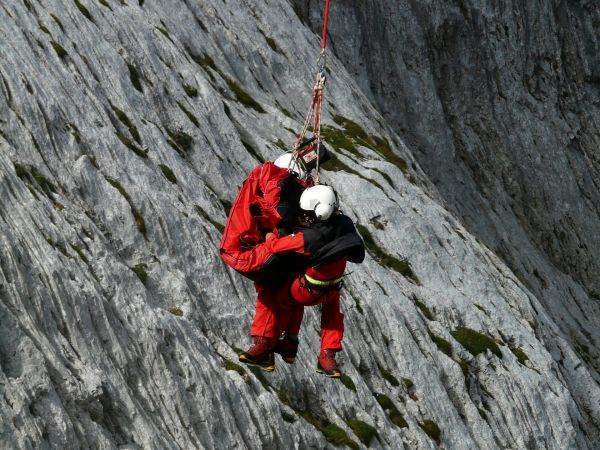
column 125, row 131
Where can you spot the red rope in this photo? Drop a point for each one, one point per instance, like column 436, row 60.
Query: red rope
column 325, row 24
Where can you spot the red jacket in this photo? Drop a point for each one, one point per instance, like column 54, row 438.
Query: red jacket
column 253, row 214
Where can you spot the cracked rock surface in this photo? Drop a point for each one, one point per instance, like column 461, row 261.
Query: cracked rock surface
column 466, row 141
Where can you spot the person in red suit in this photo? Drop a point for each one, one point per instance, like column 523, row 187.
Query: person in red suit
column 325, row 239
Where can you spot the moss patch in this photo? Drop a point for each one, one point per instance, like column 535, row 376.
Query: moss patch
column 180, row 141
column 34, row 178
column 131, row 145
column 59, row 49
column 401, row 266
column 347, row 381
column 209, row 219
column 140, row 271
column 362, row 430
column 353, row 134
column 287, row 417
column 84, row 11
column 134, row 77
column 337, row 436
column 476, row 342
column 230, row 365
column 387, row 375
column 191, row 91
column 79, row 251
column 431, row 429
column 424, row 309
column 393, row 414
column 408, row 383
column 189, row 115
column 176, row 311
column 137, row 216
column 442, row 344
column 520, row 354
column 105, row 4
column 168, row 173
column 127, row 122
column 242, row 96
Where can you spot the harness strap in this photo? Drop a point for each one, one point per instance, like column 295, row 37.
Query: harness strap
column 322, row 283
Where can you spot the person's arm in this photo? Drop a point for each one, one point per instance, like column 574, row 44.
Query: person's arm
column 293, row 243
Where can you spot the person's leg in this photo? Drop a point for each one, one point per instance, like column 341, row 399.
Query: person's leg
column 263, row 330
column 265, row 315
column 289, row 321
column 332, row 322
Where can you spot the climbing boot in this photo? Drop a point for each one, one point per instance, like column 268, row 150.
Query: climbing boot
column 327, row 364
column 260, row 354
column 287, row 347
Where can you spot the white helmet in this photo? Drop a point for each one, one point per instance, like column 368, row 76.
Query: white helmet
column 286, row 161
column 321, row 199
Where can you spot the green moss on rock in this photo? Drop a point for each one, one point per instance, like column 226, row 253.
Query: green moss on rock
column 131, row 145
column 476, row 342
column 401, row 266
column 191, row 91
column 208, row 218
column 34, row 178
column 362, row 430
column 189, row 115
column 242, row 96
column 393, row 414
column 137, row 216
column 176, row 311
column 337, row 436
column 347, row 381
column 520, row 354
column 134, row 77
column 431, row 429
column 84, row 11
column 387, row 375
column 442, row 344
column 168, row 173
column 287, row 417
column 180, row 141
column 424, row 309
column 79, row 251
column 140, row 271
column 127, row 122
column 59, row 49
column 230, row 365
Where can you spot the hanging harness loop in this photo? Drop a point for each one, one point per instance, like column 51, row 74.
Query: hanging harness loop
column 313, row 117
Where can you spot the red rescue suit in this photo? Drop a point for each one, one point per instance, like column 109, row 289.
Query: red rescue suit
column 283, row 309
column 255, row 212
column 329, row 245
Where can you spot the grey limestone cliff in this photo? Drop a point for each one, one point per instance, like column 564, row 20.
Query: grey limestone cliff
column 466, row 149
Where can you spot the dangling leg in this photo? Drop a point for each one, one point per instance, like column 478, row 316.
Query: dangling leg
column 263, row 330
column 332, row 333
column 289, row 321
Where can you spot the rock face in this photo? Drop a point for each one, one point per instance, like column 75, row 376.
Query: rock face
column 466, row 142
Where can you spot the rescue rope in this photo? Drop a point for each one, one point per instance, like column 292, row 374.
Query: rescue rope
column 313, row 117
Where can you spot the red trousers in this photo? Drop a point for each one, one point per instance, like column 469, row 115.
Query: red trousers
column 282, row 309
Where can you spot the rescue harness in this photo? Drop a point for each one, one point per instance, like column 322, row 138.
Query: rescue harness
column 307, row 151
